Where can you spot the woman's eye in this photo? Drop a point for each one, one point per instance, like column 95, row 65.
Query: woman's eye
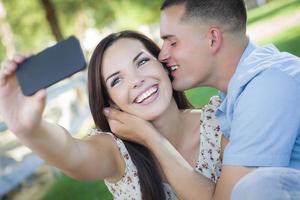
column 115, row 81
column 142, row 61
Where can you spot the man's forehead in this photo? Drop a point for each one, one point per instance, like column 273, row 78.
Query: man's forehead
column 170, row 20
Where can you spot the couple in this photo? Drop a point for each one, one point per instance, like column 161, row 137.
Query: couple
column 204, row 45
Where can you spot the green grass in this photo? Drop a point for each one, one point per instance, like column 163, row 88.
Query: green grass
column 288, row 40
column 200, row 96
column 66, row 188
column 274, row 9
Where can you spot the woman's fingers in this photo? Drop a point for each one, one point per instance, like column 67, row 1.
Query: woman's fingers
column 21, row 58
column 41, row 95
column 2, row 79
column 6, row 70
column 9, row 67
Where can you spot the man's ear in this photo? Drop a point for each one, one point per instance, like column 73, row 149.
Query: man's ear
column 215, row 39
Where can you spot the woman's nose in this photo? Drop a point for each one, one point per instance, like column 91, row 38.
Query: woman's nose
column 138, row 82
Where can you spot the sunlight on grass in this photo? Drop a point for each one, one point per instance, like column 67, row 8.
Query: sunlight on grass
column 288, row 40
column 272, row 10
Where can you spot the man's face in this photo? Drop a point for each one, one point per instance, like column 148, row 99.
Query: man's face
column 185, row 49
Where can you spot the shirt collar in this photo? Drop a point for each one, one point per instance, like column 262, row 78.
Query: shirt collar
column 250, row 47
column 248, row 50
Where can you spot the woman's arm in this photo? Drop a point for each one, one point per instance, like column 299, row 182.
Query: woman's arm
column 96, row 158
column 185, row 181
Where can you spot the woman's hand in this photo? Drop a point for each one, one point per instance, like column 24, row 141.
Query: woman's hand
column 21, row 114
column 130, row 127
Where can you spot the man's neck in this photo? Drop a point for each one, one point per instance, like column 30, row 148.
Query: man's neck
column 228, row 64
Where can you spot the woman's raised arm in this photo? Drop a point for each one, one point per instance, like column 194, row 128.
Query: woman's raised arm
column 95, row 158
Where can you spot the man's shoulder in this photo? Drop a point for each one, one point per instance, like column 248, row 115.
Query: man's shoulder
column 265, row 57
column 268, row 58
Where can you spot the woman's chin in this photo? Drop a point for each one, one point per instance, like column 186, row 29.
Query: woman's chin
column 148, row 117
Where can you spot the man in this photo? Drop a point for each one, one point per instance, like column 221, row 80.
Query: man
column 205, row 44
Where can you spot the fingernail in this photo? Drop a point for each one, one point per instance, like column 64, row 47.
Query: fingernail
column 106, row 111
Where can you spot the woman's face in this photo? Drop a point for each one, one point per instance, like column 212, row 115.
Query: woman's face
column 135, row 80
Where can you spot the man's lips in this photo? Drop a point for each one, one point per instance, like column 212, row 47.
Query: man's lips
column 173, row 69
column 148, row 92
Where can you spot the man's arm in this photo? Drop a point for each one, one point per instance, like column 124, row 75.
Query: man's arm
column 264, row 128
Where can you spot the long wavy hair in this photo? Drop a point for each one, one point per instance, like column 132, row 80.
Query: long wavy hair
column 148, row 172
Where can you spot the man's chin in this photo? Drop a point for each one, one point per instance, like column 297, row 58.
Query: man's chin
column 177, row 86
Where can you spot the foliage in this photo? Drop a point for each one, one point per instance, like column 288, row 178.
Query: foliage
column 27, row 21
column 32, row 32
column 66, row 188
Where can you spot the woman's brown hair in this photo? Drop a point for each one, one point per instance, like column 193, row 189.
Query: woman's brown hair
column 148, row 172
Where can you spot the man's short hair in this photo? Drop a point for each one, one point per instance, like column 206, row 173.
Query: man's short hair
column 227, row 12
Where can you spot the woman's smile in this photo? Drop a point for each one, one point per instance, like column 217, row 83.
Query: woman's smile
column 147, row 96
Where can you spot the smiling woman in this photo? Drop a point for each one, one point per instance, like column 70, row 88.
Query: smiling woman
column 134, row 81
column 124, row 73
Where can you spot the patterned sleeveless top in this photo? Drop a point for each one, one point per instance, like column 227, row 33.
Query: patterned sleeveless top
column 208, row 164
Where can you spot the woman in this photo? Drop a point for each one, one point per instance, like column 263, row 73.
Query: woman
column 123, row 73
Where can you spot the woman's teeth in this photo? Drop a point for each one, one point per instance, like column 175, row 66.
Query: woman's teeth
column 146, row 94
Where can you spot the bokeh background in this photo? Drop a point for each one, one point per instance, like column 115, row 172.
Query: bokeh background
column 32, row 25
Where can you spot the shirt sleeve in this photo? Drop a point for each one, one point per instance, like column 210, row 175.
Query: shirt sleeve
column 265, row 121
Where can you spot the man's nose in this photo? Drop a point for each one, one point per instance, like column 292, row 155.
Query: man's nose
column 164, row 54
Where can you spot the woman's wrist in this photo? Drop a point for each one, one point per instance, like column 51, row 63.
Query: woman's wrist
column 153, row 139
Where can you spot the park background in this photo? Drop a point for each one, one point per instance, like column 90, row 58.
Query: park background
column 32, row 25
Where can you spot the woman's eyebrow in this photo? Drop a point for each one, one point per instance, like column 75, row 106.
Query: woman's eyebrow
column 137, row 56
column 116, row 73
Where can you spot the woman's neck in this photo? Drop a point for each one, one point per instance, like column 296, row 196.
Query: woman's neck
column 170, row 124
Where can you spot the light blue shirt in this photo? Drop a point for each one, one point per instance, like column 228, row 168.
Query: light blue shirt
column 260, row 114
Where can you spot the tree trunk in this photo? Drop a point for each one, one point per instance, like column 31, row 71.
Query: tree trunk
column 6, row 34
column 52, row 19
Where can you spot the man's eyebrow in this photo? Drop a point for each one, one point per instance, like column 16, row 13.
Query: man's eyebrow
column 137, row 56
column 165, row 37
column 116, row 73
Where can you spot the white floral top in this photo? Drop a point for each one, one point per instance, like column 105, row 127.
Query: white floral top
column 208, row 164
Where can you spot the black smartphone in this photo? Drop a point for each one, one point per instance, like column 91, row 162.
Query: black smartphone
column 50, row 66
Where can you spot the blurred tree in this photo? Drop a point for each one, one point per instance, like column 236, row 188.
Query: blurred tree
column 133, row 13
column 29, row 25
column 32, row 31
column 6, row 34
column 52, row 19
